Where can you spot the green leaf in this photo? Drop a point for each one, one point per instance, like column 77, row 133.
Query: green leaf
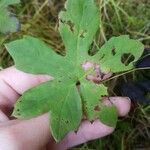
column 63, row 102
column 34, row 56
column 67, row 114
column 35, row 101
column 5, row 3
column 78, row 23
column 119, row 54
column 92, row 96
column 108, row 115
column 8, row 23
column 69, row 97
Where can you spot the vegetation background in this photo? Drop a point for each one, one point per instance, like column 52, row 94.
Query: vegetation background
column 39, row 18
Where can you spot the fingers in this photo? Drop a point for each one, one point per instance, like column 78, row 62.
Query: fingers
column 13, row 83
column 122, row 103
column 20, row 81
column 88, row 131
column 33, row 134
column 30, row 134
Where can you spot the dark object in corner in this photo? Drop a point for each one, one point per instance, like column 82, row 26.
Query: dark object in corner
column 138, row 91
column 144, row 61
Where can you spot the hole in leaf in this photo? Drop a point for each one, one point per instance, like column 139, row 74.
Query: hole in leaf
column 102, row 57
column 71, row 25
column 127, row 58
column 78, row 83
column 82, row 35
column 62, row 21
column 113, row 51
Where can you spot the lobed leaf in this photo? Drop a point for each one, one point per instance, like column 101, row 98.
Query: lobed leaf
column 78, row 25
column 69, row 97
column 59, row 98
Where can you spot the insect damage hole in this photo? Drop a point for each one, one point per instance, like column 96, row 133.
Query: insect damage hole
column 83, row 33
column 67, row 121
column 127, row 58
column 78, row 83
column 113, row 51
column 71, row 25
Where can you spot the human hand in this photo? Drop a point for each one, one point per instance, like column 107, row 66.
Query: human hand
column 34, row 134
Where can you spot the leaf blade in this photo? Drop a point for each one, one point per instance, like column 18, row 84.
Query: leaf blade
column 60, row 98
column 108, row 115
column 37, row 57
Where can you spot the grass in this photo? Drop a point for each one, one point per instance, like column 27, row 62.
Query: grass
column 39, row 18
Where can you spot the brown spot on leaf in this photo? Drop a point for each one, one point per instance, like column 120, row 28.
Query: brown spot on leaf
column 82, row 35
column 97, row 108
column 92, row 121
column 71, row 25
column 66, row 121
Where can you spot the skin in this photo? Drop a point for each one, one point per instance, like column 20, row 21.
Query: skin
column 34, row 134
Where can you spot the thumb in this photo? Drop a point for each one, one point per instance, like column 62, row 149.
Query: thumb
column 30, row 134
